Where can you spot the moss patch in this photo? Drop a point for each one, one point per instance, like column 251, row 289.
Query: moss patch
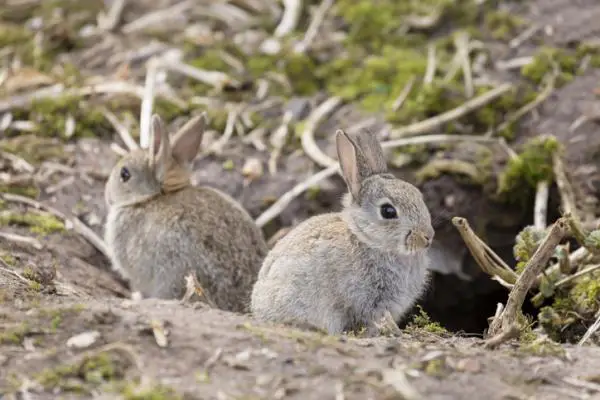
column 42, row 224
column 83, row 376
column 34, row 149
column 521, row 175
column 422, row 321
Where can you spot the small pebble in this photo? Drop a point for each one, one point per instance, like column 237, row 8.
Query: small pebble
column 83, row 340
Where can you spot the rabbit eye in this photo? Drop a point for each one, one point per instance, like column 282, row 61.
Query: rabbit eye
column 388, row 211
column 125, row 175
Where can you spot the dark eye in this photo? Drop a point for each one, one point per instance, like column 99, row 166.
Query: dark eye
column 388, row 211
column 125, row 175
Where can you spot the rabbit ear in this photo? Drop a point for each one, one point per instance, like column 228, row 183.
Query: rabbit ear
column 347, row 154
column 372, row 160
column 160, row 149
column 186, row 141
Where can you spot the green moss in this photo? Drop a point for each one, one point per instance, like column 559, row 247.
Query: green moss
column 22, row 190
column 586, row 293
column 228, row 165
column 547, row 60
column 52, row 117
column 82, row 376
column 421, row 321
column 521, row 175
column 14, row 335
column 13, row 34
column 459, row 168
column 34, row 149
column 157, row 392
column 377, row 23
column 544, row 347
column 377, row 79
column 526, row 244
column 503, row 25
column 592, row 241
column 8, row 259
column 37, row 223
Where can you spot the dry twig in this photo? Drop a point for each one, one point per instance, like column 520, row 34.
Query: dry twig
column 533, row 268
column 452, row 115
column 308, row 136
column 485, row 257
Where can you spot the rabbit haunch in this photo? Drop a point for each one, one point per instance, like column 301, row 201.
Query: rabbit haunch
column 340, row 271
column 160, row 228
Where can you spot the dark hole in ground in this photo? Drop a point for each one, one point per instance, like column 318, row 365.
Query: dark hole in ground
column 465, row 306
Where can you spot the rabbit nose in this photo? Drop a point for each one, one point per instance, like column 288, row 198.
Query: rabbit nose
column 424, row 239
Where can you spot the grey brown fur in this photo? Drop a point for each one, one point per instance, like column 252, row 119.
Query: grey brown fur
column 341, row 271
column 159, row 228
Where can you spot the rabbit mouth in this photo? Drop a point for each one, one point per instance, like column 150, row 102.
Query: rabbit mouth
column 417, row 241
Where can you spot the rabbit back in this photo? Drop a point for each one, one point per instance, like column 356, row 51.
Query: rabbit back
column 201, row 230
column 322, row 274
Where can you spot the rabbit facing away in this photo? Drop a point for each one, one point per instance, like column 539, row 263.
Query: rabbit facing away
column 347, row 270
column 160, row 228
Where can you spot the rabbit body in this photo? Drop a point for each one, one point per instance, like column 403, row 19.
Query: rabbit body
column 157, row 261
column 165, row 233
column 342, row 271
column 301, row 283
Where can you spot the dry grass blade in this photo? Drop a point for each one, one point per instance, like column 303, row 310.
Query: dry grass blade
column 485, row 257
column 272, row 212
column 534, row 267
column 216, row 79
column 6, row 268
column 540, row 209
column 452, row 115
column 461, row 42
column 591, row 331
column 313, row 28
column 526, row 109
column 18, row 239
column 158, row 16
column 114, row 87
column 290, row 18
column 109, row 21
column 277, row 207
column 404, row 93
column 587, row 270
column 148, row 103
column 123, row 132
column 431, row 65
column 308, row 136
column 78, row 226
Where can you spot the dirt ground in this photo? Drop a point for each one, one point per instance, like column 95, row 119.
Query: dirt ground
column 69, row 330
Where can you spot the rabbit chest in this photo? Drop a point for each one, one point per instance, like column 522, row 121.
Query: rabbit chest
column 387, row 282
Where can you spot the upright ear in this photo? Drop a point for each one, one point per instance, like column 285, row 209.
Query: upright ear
column 373, row 160
column 186, row 141
column 347, row 155
column 160, row 149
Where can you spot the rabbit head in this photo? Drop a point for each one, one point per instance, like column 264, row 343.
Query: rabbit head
column 386, row 213
column 162, row 168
